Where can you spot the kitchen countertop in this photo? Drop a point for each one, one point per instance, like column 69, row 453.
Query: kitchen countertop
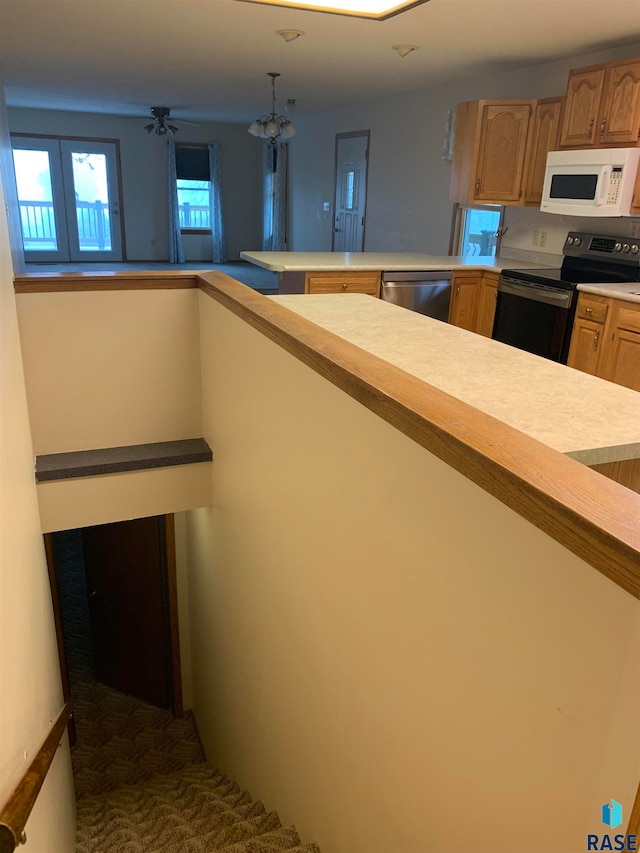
column 367, row 261
column 627, row 292
column 584, row 417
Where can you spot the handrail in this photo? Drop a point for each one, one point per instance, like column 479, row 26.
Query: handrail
column 15, row 814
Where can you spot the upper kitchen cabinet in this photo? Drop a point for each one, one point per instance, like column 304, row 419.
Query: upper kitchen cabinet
column 490, row 151
column 602, row 106
column 584, row 93
column 544, row 138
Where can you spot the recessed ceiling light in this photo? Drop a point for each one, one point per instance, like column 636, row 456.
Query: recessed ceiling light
column 377, row 10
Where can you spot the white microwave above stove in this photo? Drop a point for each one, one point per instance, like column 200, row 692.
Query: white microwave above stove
column 598, row 182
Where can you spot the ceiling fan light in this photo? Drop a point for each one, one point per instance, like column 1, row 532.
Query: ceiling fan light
column 149, row 128
column 255, row 128
column 172, row 129
column 272, row 128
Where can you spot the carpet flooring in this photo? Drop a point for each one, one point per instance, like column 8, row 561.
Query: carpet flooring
column 143, row 786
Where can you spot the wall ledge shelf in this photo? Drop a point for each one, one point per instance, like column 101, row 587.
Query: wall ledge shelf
column 112, row 460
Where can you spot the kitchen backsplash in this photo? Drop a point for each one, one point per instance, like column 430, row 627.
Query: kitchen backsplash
column 543, row 234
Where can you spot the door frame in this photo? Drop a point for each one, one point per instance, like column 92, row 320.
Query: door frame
column 349, row 135
column 172, row 628
column 118, row 159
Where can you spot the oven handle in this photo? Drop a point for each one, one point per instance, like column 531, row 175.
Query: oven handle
column 560, row 298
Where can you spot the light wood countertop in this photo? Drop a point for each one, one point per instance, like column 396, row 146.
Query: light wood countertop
column 584, row 417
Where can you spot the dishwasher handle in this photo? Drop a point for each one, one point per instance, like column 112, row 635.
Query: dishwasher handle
column 416, row 275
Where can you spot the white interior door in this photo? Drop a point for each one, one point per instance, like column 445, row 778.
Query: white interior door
column 352, row 151
column 68, row 192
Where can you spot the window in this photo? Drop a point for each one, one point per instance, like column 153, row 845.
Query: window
column 194, row 188
column 476, row 230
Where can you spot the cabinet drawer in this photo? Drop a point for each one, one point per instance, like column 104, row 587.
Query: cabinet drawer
column 368, row 282
column 590, row 308
column 629, row 318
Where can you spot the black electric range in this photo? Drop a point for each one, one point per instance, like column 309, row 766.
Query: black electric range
column 535, row 308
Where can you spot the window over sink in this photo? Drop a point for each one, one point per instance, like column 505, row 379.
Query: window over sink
column 476, row 230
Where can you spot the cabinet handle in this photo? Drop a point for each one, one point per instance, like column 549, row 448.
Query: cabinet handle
column 602, row 127
column 590, row 128
column 457, row 291
column 478, row 185
column 588, row 310
column 344, row 286
column 595, row 340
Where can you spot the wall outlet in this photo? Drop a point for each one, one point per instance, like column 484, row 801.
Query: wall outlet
column 634, row 228
column 536, row 238
column 543, row 238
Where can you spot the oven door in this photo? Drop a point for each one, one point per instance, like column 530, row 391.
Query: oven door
column 534, row 318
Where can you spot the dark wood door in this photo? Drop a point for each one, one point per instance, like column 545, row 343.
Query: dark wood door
column 126, row 582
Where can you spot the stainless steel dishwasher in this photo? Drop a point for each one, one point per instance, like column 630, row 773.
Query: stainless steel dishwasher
column 427, row 293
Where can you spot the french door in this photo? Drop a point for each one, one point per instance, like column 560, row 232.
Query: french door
column 68, row 191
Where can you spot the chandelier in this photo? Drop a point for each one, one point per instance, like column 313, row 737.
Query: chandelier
column 272, row 127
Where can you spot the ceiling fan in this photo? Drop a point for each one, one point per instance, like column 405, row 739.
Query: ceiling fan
column 162, row 123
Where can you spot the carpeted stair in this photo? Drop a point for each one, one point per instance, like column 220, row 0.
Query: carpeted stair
column 143, row 786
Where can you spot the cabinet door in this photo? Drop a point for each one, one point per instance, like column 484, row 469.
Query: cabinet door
column 620, row 116
column 464, row 301
column 622, row 359
column 584, row 93
column 586, row 346
column 500, row 161
column 343, row 282
column 487, row 306
column 545, row 137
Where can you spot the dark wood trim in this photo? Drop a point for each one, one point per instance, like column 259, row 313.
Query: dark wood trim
column 75, row 282
column 590, row 515
column 196, row 231
column 57, row 618
column 15, row 813
column 634, row 820
column 172, row 601
column 123, row 235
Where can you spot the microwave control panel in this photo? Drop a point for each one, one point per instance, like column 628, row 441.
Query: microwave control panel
column 615, row 182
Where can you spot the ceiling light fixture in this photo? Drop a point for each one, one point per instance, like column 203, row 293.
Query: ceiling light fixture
column 272, row 127
column 404, row 49
column 289, row 35
column 161, row 124
column 377, row 10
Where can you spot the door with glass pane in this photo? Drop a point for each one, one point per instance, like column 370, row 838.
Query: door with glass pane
column 351, row 191
column 69, row 199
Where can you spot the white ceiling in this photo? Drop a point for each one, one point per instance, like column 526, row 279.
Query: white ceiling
column 208, row 59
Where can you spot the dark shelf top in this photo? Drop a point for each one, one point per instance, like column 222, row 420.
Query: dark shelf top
column 110, row 460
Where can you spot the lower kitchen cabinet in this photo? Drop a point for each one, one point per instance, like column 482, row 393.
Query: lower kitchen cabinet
column 606, row 339
column 487, row 304
column 621, row 358
column 587, row 337
column 473, row 301
column 343, row 282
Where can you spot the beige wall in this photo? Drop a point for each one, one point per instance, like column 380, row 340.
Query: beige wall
column 29, row 674
column 109, row 368
column 381, row 650
column 408, row 207
column 144, row 177
column 82, row 502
